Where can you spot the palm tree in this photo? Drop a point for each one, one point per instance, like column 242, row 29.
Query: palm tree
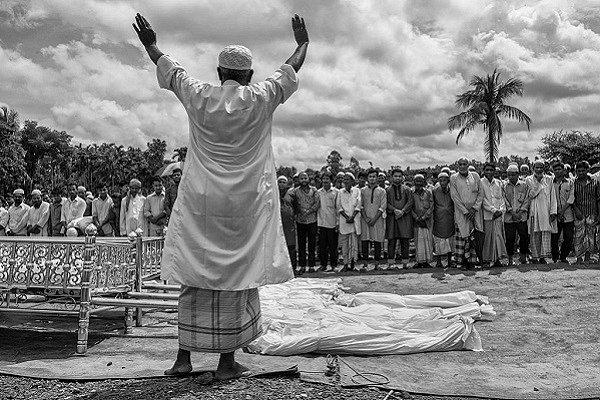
column 9, row 119
column 485, row 105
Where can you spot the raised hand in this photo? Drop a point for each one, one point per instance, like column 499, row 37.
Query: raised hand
column 144, row 30
column 299, row 28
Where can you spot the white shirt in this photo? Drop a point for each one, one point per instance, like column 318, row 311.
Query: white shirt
column 17, row 219
column 39, row 216
column 493, row 198
column 72, row 209
column 225, row 230
column 349, row 201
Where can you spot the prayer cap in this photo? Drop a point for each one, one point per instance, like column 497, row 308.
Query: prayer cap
column 81, row 188
column 282, row 178
column 512, row 168
column 235, row 57
column 350, row 174
column 463, row 158
column 89, row 196
column 382, row 174
column 340, row 174
column 446, row 170
column 539, row 162
column 135, row 182
column 471, row 168
column 443, row 174
column 419, row 176
column 19, row 191
column 525, row 167
column 35, row 191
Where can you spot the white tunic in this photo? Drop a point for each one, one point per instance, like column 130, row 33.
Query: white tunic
column 225, row 231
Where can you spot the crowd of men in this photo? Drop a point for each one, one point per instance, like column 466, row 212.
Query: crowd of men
column 457, row 218
column 125, row 212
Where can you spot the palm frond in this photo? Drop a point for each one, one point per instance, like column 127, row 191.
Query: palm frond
column 514, row 113
column 468, row 127
column 463, row 118
column 509, row 88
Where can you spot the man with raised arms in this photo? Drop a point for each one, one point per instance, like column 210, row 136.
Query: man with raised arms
column 225, row 237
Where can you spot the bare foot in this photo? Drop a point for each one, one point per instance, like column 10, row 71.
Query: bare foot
column 237, row 371
column 179, row 369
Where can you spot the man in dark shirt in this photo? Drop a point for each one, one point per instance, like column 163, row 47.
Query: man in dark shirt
column 171, row 192
column 55, row 226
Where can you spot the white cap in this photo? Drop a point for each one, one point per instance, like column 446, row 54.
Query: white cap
column 235, row 57
column 512, row 168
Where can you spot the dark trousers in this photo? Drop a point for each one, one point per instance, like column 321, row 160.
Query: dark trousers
column 306, row 233
column 365, row 250
column 568, row 232
column 292, row 251
column 511, row 234
column 328, row 246
column 404, row 246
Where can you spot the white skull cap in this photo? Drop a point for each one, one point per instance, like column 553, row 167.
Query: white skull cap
column 235, row 57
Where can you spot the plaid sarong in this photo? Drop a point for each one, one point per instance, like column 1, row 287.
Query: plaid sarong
column 585, row 236
column 442, row 246
column 423, row 244
column 540, row 244
column 218, row 321
column 462, row 248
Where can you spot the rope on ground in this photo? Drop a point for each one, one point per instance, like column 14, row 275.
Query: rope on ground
column 380, row 378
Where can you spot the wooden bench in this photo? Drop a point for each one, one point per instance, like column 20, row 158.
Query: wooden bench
column 81, row 276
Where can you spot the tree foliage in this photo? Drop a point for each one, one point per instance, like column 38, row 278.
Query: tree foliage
column 485, row 105
column 12, row 160
column 571, row 147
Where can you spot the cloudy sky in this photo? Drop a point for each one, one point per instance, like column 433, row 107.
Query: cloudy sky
column 379, row 82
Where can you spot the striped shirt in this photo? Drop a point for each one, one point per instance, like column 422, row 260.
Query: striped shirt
column 587, row 194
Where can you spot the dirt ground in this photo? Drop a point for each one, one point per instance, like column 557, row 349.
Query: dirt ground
column 545, row 313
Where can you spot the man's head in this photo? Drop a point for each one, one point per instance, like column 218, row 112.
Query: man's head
column 397, row 176
column 444, row 180
column 45, row 195
column 381, row 177
column 498, row 173
column 157, row 184
column 10, row 200
column 176, row 175
column 56, row 195
column 538, row 167
column 326, row 180
column 513, row 173
column 348, row 180
column 282, row 183
column 303, row 179
column 488, row 171
column 36, row 198
column 559, row 169
column 81, row 191
column 525, row 169
column 581, row 169
column 18, row 195
column 362, row 178
column 235, row 63
column 134, row 187
column 419, row 181
column 72, row 190
column 463, row 166
column 103, row 192
column 372, row 177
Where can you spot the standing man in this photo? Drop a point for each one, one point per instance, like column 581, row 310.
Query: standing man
column 348, row 205
column 494, row 248
column 306, row 203
column 422, row 213
column 38, row 214
column 288, row 220
column 154, row 210
column 586, row 205
column 443, row 220
column 73, row 207
column 3, row 218
column 362, row 179
column 399, row 224
column 516, row 196
column 224, row 238
column 467, row 195
column 327, row 221
column 171, row 192
column 565, row 197
column 17, row 215
column 132, row 210
column 101, row 212
column 55, row 226
column 373, row 204
column 542, row 212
